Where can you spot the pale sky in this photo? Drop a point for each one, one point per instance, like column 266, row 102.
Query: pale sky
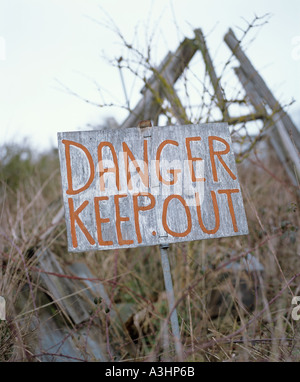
column 45, row 41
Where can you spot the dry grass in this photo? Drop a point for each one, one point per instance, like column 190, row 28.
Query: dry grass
column 217, row 323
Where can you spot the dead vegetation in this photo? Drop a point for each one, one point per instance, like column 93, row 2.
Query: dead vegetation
column 225, row 314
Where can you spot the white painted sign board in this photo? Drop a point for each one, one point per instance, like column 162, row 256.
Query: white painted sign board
column 146, row 186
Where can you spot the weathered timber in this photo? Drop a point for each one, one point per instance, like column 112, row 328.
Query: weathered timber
column 244, row 118
column 167, row 73
column 260, row 86
column 62, row 290
column 97, row 288
column 279, row 138
column 219, row 93
column 52, row 338
column 177, row 108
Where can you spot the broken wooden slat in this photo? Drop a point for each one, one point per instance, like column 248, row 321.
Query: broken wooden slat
column 54, row 341
column 81, row 270
column 59, row 288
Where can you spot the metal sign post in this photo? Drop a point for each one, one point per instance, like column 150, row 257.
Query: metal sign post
column 164, row 248
column 171, row 298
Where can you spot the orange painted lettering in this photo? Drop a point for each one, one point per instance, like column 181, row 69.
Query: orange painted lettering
column 120, row 219
column 230, row 205
column 219, row 154
column 137, row 208
column 128, row 154
column 114, row 169
column 187, row 212
column 192, row 159
column 74, row 218
column 70, row 190
column 100, row 220
column 173, row 172
column 216, row 212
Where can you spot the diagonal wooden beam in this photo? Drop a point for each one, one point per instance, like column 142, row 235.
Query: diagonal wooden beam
column 201, row 44
column 261, row 88
column 278, row 134
column 171, row 68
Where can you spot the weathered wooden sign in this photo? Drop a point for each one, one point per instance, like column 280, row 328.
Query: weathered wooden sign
column 145, row 186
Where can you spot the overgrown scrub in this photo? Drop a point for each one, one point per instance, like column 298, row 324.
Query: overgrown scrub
column 216, row 323
column 30, row 196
